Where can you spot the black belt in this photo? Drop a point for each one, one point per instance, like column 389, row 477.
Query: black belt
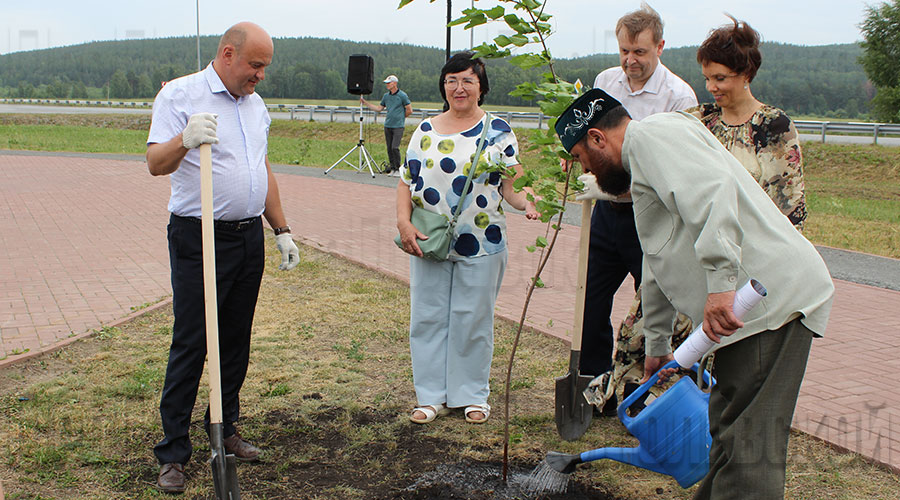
column 225, row 225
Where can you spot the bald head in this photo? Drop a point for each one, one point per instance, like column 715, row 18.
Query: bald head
column 237, row 35
column 243, row 54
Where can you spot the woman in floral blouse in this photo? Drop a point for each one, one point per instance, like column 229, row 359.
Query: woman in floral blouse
column 760, row 136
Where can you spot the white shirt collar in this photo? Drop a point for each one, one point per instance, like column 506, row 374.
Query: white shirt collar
column 215, row 83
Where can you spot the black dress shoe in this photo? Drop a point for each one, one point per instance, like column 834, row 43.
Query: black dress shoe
column 242, row 450
column 171, row 478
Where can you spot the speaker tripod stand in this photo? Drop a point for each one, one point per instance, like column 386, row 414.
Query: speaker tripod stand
column 364, row 154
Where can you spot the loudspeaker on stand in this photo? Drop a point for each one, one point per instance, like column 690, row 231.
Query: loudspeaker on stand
column 361, row 74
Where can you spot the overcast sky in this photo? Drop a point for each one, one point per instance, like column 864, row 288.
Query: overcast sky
column 582, row 26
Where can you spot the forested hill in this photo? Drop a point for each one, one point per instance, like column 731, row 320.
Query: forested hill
column 820, row 80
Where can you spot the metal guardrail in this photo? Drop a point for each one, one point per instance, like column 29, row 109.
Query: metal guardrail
column 85, row 102
column 302, row 111
column 532, row 118
column 859, row 128
column 864, row 128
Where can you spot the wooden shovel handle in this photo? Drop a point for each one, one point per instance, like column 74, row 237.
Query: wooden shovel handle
column 209, row 285
column 583, row 250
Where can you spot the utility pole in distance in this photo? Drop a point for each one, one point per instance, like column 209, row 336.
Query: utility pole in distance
column 449, row 10
column 199, row 67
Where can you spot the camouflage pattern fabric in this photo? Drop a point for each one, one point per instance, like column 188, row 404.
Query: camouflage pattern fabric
column 768, row 146
column 628, row 363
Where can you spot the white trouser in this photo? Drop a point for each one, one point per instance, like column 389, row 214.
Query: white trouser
column 451, row 327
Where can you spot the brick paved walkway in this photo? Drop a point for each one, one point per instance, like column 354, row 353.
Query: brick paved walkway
column 83, row 242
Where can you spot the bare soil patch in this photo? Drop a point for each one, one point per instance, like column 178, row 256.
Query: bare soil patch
column 327, row 398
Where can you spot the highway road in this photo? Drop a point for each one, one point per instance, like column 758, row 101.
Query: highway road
column 68, row 110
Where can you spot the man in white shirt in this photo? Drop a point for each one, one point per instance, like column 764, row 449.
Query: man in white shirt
column 642, row 83
column 217, row 106
column 644, row 86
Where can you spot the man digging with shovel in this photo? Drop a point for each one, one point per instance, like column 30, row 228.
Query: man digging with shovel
column 215, row 106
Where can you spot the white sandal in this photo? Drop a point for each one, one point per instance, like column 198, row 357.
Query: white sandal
column 431, row 412
column 483, row 408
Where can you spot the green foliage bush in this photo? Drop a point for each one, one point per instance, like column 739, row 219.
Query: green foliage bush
column 881, row 30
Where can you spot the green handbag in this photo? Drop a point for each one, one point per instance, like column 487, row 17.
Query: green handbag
column 439, row 230
column 438, row 227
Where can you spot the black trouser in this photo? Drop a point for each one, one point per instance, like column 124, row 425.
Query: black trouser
column 240, row 257
column 392, row 138
column 615, row 251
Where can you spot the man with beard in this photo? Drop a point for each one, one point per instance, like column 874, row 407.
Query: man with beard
column 644, row 86
column 706, row 227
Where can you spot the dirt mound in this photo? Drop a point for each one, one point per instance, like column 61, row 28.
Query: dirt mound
column 368, row 453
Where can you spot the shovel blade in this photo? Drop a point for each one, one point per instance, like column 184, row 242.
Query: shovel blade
column 225, row 477
column 573, row 412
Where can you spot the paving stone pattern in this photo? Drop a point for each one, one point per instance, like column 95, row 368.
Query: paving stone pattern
column 83, row 245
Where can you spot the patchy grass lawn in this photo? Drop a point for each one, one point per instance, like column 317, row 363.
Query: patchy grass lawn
column 327, row 397
column 854, row 197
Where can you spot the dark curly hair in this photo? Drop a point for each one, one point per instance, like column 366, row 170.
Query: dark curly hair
column 460, row 62
column 735, row 47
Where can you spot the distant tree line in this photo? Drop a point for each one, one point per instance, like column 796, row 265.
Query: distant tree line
column 820, row 80
column 881, row 31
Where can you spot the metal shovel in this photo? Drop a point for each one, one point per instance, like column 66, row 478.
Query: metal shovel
column 573, row 412
column 224, row 468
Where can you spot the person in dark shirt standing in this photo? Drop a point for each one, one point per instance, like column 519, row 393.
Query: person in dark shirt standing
column 398, row 107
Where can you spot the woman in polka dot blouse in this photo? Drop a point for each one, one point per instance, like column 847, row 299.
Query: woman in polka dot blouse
column 451, row 331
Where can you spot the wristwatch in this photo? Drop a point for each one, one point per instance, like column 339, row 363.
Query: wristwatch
column 282, row 229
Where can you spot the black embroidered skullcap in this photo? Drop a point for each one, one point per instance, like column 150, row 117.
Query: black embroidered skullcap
column 575, row 121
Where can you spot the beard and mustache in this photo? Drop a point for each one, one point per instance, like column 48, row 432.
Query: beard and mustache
column 611, row 175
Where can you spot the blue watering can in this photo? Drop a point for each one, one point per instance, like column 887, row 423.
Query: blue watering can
column 673, row 432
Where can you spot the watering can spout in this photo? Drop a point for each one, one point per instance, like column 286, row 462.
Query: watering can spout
column 637, row 457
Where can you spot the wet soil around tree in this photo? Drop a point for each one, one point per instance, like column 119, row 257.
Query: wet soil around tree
column 317, row 457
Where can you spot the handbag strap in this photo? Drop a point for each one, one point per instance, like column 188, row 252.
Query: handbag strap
column 465, row 191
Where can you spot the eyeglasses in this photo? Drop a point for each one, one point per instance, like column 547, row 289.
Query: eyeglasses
column 467, row 83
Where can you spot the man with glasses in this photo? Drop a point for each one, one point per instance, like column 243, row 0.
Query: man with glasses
column 398, row 107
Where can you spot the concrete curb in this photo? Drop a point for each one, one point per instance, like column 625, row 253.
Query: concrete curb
column 20, row 358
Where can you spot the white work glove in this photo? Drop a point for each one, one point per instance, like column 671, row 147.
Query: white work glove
column 200, row 129
column 592, row 191
column 290, row 254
